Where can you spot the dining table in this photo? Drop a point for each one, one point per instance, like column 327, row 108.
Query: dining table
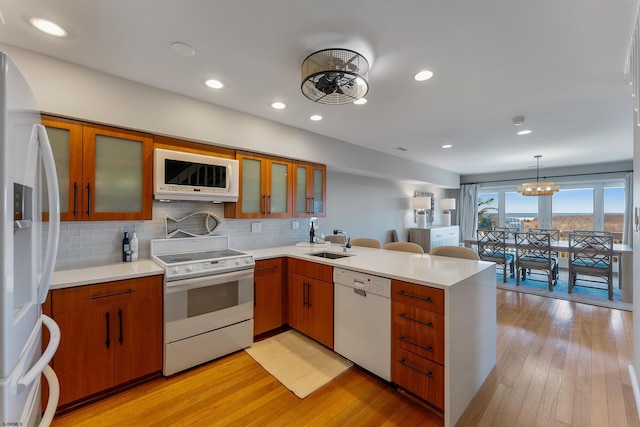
column 624, row 254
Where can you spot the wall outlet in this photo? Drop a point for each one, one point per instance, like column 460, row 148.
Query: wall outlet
column 256, row 227
column 295, row 225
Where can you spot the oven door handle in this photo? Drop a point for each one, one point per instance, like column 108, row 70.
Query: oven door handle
column 210, row 280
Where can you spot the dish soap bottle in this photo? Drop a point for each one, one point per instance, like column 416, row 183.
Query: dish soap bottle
column 126, row 247
column 134, row 245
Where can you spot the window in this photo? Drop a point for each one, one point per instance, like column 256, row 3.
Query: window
column 521, row 212
column 487, row 210
column 614, row 212
column 572, row 210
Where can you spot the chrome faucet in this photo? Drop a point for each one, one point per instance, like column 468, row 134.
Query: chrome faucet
column 347, row 240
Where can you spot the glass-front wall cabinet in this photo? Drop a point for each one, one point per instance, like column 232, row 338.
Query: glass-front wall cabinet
column 309, row 190
column 103, row 173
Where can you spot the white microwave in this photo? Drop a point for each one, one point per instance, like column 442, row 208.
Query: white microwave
column 180, row 175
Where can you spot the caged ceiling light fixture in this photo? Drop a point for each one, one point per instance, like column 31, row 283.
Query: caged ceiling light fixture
column 335, row 76
column 538, row 188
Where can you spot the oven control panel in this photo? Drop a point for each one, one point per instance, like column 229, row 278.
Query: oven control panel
column 200, row 268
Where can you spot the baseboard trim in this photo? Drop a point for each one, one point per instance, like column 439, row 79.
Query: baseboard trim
column 634, row 386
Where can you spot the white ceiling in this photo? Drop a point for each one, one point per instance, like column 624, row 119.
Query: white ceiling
column 559, row 63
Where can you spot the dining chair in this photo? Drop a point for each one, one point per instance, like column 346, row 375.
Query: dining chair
column 510, row 232
column 404, row 247
column 533, row 252
column 591, row 254
column 491, row 247
column 555, row 238
column 455, row 252
column 366, row 242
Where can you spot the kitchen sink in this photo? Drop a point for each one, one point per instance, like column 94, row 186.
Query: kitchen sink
column 329, row 255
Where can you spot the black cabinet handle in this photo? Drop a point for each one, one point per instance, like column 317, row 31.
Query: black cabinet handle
column 404, row 294
column 304, row 294
column 428, row 348
column 75, row 199
column 120, row 320
column 415, row 368
column 264, row 204
column 404, row 316
column 309, row 294
column 107, row 342
column 269, row 197
column 89, row 199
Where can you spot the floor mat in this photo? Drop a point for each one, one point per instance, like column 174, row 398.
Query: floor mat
column 299, row 363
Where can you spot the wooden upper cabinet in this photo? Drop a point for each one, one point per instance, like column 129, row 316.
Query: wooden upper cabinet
column 103, row 173
column 309, row 189
column 265, row 188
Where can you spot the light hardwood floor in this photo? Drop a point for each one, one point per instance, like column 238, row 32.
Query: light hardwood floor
column 559, row 364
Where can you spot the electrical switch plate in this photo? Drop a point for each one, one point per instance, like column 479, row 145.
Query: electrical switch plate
column 256, row 227
column 295, row 225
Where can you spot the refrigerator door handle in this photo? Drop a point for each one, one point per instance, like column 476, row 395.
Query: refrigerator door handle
column 54, row 211
column 54, row 340
column 54, row 396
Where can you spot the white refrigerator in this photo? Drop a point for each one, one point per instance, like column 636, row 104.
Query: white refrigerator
column 27, row 255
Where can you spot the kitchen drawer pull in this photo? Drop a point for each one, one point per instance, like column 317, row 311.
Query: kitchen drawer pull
column 404, row 294
column 120, row 339
column 106, row 317
column 264, row 204
column 268, row 267
column 415, row 368
column 128, row 291
column 309, row 294
column 404, row 316
column 269, row 197
column 428, row 348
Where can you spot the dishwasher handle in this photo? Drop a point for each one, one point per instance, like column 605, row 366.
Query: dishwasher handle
column 360, row 292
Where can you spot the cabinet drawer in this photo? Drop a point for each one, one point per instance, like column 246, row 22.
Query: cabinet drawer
column 322, row 272
column 430, row 346
column 424, row 297
column 420, row 376
column 268, row 267
column 424, row 321
column 89, row 296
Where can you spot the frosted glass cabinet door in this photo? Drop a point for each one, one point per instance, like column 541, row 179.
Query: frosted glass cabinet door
column 66, row 143
column 117, row 168
column 302, row 205
column 318, row 190
column 278, row 203
column 251, row 194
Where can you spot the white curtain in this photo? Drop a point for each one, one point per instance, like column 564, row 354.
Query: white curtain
column 627, row 228
column 468, row 211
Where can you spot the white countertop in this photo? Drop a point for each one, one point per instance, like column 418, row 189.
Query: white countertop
column 104, row 273
column 436, row 271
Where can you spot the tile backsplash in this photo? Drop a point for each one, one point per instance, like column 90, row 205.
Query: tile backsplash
column 91, row 243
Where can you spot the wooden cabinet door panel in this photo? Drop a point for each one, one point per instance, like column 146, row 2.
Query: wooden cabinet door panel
column 297, row 312
column 268, row 312
column 424, row 297
column 420, row 376
column 321, row 312
column 84, row 359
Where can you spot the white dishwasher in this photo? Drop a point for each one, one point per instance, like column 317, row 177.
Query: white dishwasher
column 362, row 320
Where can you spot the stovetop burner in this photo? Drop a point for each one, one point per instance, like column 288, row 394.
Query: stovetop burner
column 199, row 256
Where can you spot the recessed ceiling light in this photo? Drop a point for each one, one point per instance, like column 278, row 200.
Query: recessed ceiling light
column 183, row 49
column 360, row 101
column 524, row 132
column 214, row 84
column 316, row 117
column 447, row 146
column 279, row 105
column 48, row 27
column 423, row 75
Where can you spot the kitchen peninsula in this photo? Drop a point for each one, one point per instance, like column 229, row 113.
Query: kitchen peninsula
column 468, row 307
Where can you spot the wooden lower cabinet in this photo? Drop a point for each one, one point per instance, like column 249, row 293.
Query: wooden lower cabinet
column 268, row 310
column 418, row 340
column 111, row 334
column 310, row 300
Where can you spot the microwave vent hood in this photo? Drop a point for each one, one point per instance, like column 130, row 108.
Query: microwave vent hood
column 180, row 175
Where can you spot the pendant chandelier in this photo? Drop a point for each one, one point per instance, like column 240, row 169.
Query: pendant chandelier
column 538, row 188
